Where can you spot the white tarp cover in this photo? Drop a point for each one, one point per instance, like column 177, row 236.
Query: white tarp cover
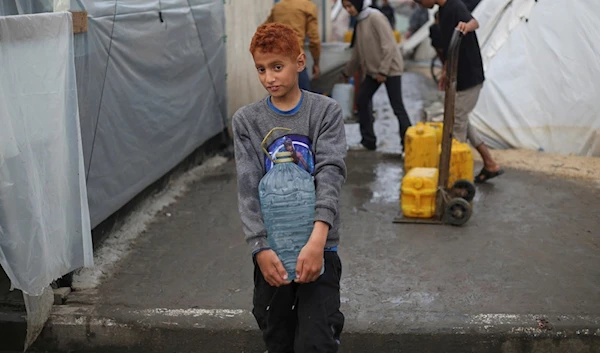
column 150, row 92
column 44, row 216
column 151, row 82
column 542, row 73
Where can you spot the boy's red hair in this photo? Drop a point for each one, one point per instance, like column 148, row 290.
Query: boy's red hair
column 276, row 38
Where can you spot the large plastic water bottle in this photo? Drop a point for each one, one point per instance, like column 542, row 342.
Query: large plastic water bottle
column 287, row 200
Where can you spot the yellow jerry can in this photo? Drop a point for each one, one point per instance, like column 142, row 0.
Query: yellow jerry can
column 397, row 36
column 461, row 163
column 420, row 147
column 348, row 36
column 439, row 129
column 418, row 193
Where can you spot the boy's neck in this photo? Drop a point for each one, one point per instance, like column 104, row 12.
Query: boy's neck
column 288, row 101
column 441, row 2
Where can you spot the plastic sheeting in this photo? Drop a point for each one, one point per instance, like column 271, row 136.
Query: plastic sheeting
column 20, row 7
column 150, row 91
column 151, row 82
column 542, row 71
column 44, row 217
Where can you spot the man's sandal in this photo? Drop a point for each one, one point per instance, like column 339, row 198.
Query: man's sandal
column 485, row 175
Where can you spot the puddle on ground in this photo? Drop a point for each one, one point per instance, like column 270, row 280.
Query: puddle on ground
column 386, row 186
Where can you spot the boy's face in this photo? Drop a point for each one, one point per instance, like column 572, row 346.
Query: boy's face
column 426, row 3
column 278, row 73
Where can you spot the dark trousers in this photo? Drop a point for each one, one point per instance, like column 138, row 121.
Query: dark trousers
column 301, row 318
column 304, row 80
column 365, row 113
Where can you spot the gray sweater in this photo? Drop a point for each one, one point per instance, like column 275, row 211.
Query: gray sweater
column 318, row 120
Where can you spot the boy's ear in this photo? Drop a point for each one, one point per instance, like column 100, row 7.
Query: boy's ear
column 301, row 62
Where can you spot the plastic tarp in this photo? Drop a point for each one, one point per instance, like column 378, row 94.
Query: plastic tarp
column 44, row 216
column 541, row 70
column 151, row 90
column 151, row 82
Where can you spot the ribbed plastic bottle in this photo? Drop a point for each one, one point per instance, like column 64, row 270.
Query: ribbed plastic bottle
column 287, row 201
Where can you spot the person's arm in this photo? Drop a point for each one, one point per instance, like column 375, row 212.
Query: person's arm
column 312, row 31
column 330, row 167
column 466, row 22
column 302, row 160
column 249, row 172
column 388, row 45
column 330, row 175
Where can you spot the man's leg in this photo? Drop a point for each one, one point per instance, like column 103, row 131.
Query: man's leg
column 488, row 161
column 320, row 321
column 365, row 113
column 304, row 80
column 464, row 105
column 274, row 314
column 394, row 90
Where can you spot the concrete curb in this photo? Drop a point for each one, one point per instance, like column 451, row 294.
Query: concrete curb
column 225, row 330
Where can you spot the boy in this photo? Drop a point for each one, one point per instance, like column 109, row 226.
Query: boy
column 301, row 15
column 454, row 14
column 302, row 316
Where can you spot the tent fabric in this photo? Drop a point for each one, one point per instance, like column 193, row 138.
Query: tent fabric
column 44, row 217
column 151, row 92
column 541, row 67
column 151, row 82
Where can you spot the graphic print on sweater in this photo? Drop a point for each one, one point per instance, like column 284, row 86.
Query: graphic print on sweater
column 301, row 148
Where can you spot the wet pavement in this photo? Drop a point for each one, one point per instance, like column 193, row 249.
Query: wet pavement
column 527, row 231
column 529, row 253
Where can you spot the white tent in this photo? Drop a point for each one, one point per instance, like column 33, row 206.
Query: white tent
column 542, row 72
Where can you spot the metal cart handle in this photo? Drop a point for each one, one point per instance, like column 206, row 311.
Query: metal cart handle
column 449, row 100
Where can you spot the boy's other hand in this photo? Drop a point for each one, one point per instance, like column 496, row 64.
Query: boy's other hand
column 310, row 263
column 310, row 260
column 272, row 268
column 381, row 78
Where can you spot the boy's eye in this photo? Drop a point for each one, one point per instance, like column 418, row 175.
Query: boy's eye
column 260, row 70
column 278, row 67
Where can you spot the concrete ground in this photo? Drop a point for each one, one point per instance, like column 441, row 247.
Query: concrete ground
column 523, row 275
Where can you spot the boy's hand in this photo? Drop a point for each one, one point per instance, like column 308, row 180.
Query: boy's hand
column 381, row 78
column 272, row 268
column 310, row 260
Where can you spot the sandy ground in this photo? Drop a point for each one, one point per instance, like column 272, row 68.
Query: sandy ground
column 565, row 166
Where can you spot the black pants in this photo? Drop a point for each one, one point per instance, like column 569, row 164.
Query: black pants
column 365, row 115
column 301, row 318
